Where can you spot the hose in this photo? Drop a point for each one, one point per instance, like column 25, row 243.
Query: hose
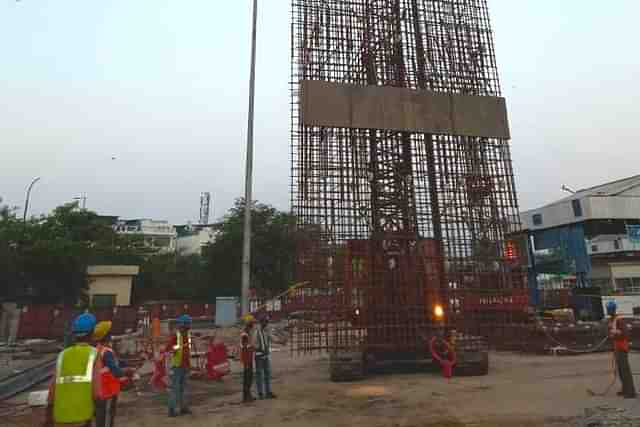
column 613, row 381
column 447, row 365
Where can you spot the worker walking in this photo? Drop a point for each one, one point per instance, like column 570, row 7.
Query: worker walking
column 620, row 338
column 179, row 348
column 263, row 359
column 247, row 350
column 110, row 375
column 76, row 382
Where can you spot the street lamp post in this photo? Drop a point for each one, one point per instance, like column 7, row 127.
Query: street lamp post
column 26, row 202
column 248, row 197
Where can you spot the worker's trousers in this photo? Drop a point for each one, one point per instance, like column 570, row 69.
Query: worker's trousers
column 106, row 412
column 263, row 375
column 178, row 390
column 247, row 381
column 624, row 372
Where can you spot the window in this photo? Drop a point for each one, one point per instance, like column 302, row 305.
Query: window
column 577, row 208
column 162, row 242
column 628, row 285
column 103, row 300
column 594, row 248
column 537, row 219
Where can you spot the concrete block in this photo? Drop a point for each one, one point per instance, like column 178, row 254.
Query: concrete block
column 416, row 111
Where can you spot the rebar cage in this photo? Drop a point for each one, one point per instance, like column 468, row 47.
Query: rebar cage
column 392, row 223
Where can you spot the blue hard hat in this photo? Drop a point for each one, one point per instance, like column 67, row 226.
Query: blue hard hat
column 184, row 320
column 84, row 324
column 612, row 307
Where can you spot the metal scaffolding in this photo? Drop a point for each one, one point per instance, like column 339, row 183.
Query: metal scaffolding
column 391, row 223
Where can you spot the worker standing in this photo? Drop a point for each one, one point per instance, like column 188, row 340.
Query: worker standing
column 179, row 348
column 247, row 350
column 110, row 375
column 263, row 359
column 76, row 384
column 620, row 339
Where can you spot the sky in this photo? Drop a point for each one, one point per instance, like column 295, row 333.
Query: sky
column 162, row 87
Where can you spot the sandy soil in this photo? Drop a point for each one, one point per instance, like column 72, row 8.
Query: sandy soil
column 519, row 391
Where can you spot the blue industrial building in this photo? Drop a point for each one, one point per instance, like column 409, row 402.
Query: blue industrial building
column 589, row 241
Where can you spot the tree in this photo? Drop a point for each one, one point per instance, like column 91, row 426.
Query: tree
column 272, row 254
column 48, row 256
column 171, row 276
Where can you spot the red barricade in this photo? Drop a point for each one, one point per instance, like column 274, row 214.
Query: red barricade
column 217, row 362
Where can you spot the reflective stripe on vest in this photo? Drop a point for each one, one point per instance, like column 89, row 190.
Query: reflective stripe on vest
column 76, row 379
column 176, row 360
column 74, row 392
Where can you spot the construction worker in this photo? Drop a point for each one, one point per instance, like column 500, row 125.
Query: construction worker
column 179, row 348
column 618, row 335
column 110, row 375
column 263, row 359
column 76, row 382
column 247, row 350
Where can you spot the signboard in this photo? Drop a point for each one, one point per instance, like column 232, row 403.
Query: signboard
column 625, row 304
column 633, row 231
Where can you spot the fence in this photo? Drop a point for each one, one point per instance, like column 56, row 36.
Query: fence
column 50, row 321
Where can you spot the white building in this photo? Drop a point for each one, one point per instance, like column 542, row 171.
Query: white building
column 192, row 238
column 593, row 235
column 158, row 236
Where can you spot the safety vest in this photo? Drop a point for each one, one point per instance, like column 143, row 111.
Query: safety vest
column 620, row 342
column 73, row 395
column 110, row 385
column 176, row 359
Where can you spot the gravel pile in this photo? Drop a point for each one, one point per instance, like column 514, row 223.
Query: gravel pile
column 605, row 416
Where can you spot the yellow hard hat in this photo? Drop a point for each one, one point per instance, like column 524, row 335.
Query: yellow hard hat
column 249, row 319
column 101, row 330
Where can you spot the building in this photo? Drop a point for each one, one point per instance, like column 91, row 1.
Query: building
column 590, row 239
column 159, row 236
column 192, row 238
column 111, row 285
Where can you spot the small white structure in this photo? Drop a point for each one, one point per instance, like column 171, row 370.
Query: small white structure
column 111, row 285
column 192, row 238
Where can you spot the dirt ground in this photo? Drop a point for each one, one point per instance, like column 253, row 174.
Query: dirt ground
column 519, row 391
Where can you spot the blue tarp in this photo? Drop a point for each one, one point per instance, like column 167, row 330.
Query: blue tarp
column 570, row 240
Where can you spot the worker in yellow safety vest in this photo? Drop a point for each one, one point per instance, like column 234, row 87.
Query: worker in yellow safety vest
column 76, row 383
column 179, row 349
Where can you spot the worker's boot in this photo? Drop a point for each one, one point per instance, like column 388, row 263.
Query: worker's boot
column 185, row 411
column 172, row 413
column 271, row 396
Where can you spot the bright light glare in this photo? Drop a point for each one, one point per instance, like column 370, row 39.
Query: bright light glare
column 438, row 311
column 357, row 312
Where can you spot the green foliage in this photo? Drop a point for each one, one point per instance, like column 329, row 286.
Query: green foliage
column 171, row 277
column 46, row 258
column 272, row 252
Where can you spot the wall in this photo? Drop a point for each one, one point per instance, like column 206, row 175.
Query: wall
column 625, row 270
column 191, row 244
column 9, row 321
column 561, row 213
column 110, row 285
column 615, row 207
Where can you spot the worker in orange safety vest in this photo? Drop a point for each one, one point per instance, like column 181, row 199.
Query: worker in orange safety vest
column 110, row 374
column 620, row 339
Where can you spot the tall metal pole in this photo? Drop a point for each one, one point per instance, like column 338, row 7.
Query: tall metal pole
column 26, row 202
column 248, row 197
